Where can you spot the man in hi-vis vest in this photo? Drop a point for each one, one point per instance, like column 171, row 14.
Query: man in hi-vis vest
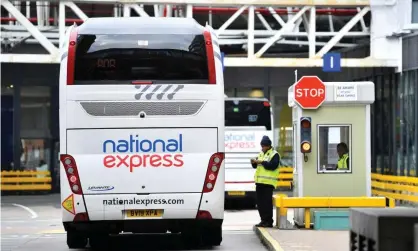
column 266, row 176
column 343, row 161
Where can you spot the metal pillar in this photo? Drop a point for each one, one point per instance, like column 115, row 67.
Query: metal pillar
column 17, row 144
column 266, row 88
column 54, row 128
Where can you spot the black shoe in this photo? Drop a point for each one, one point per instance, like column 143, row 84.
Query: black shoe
column 265, row 224
column 259, row 224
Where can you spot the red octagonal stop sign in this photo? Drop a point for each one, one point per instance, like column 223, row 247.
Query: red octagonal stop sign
column 309, row 92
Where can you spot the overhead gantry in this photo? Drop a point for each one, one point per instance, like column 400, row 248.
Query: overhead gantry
column 267, row 29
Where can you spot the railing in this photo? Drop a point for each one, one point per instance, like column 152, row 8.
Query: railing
column 26, row 181
column 401, row 188
column 283, row 203
column 285, row 179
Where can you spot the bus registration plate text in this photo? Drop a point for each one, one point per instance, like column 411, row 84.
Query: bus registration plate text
column 148, row 213
column 236, row 193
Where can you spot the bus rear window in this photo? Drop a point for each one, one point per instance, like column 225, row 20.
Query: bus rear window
column 247, row 113
column 119, row 59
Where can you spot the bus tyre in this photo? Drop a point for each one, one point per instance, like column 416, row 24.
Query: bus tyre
column 99, row 242
column 212, row 236
column 76, row 240
column 191, row 238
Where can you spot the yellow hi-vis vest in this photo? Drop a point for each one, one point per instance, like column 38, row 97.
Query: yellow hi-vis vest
column 263, row 175
column 342, row 162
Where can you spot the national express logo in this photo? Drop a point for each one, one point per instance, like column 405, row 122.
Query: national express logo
column 239, row 141
column 135, row 152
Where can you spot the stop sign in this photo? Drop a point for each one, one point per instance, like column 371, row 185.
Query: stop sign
column 309, row 92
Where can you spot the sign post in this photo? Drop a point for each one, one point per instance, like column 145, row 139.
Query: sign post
column 309, row 92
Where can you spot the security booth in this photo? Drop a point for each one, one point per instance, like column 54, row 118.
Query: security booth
column 327, row 115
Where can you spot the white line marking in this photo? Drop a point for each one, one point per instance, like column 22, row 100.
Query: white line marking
column 34, row 215
column 21, row 221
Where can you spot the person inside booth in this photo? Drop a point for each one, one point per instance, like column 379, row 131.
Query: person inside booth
column 343, row 161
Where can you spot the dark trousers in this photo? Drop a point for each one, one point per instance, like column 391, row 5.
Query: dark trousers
column 265, row 202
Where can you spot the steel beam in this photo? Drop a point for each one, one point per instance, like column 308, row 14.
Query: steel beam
column 231, row 20
column 290, row 24
column 305, row 62
column 248, row 38
column 228, row 61
column 341, row 33
column 29, row 58
column 29, row 26
column 282, row 3
column 77, row 10
column 53, row 33
column 250, row 43
column 226, row 41
column 311, row 32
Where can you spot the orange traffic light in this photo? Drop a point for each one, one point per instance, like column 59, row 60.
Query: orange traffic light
column 305, row 135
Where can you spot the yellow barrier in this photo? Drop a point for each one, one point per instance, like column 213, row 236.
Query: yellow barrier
column 285, row 179
column 401, row 188
column 26, row 181
column 387, row 171
column 282, row 203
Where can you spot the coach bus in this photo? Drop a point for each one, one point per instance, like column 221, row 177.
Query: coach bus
column 142, row 143
column 247, row 120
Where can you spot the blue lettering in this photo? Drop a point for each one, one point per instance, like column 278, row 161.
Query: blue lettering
column 132, row 143
column 143, row 149
column 175, row 145
column 136, row 145
column 112, row 143
column 162, row 144
column 123, row 146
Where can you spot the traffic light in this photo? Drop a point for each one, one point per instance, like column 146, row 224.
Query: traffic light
column 305, row 134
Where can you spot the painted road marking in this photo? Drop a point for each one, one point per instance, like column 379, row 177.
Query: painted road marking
column 53, row 231
column 33, row 214
column 34, row 236
column 270, row 239
column 22, row 221
column 56, row 234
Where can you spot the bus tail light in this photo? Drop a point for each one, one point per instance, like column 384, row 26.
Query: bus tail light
column 72, row 173
column 215, row 163
column 71, row 55
column 81, row 217
column 202, row 214
column 210, row 57
column 140, row 82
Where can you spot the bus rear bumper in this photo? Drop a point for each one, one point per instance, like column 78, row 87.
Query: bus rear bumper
column 140, row 226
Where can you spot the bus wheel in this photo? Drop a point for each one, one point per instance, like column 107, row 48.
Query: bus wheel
column 99, row 242
column 76, row 240
column 212, row 236
column 191, row 238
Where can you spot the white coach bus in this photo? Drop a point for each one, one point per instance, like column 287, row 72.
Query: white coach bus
column 142, row 144
column 247, row 120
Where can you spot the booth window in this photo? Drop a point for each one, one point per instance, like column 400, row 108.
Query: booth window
column 334, row 148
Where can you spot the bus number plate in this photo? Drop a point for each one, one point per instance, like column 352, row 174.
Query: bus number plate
column 149, row 213
column 236, row 193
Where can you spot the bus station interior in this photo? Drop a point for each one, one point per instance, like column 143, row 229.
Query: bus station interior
column 29, row 101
